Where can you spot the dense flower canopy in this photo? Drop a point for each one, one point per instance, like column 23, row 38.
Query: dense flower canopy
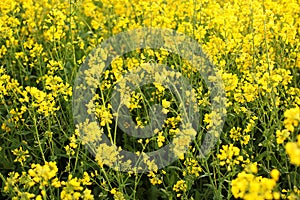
column 255, row 48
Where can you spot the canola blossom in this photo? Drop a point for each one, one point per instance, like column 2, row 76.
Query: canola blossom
column 254, row 48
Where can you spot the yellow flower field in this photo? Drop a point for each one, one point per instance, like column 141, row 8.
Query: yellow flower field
column 254, row 48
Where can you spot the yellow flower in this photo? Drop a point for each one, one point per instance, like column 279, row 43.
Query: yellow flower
column 230, row 156
column 90, row 132
column 180, row 186
column 43, row 174
column 160, row 139
column 113, row 191
column 275, row 174
column 71, row 189
column 165, row 104
column 292, row 118
column 106, row 155
column 192, row 167
column 11, row 181
column 293, row 150
column 281, row 136
column 181, row 144
column 230, row 81
column 103, row 113
column 20, row 155
column 236, row 135
column 154, row 178
column 249, row 186
column 25, row 195
column 87, row 195
column 117, row 194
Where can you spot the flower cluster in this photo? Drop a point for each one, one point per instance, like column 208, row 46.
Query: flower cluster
column 248, row 185
column 45, row 176
column 293, row 150
column 253, row 46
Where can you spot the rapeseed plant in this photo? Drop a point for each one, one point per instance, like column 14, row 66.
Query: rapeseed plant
column 254, row 46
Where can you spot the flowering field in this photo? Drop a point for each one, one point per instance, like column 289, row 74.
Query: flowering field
column 254, row 47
